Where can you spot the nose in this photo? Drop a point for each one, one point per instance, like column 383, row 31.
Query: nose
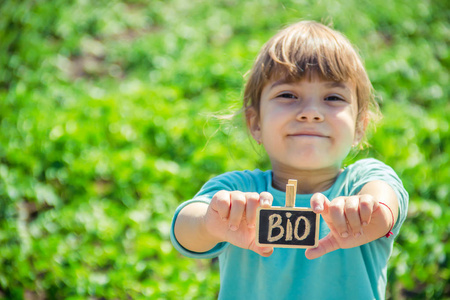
column 310, row 113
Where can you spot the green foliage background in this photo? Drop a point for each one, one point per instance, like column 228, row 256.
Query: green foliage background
column 107, row 124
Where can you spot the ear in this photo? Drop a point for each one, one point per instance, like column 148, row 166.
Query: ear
column 253, row 124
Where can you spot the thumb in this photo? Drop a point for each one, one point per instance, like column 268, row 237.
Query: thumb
column 326, row 245
column 263, row 251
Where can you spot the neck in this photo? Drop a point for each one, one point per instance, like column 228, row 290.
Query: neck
column 309, row 182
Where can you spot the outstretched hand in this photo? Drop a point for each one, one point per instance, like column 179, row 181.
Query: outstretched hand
column 348, row 218
column 231, row 217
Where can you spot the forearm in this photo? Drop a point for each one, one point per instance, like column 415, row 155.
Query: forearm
column 190, row 230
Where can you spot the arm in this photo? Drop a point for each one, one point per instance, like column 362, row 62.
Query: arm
column 230, row 217
column 190, row 229
column 355, row 220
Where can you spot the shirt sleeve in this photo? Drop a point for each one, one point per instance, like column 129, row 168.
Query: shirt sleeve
column 367, row 170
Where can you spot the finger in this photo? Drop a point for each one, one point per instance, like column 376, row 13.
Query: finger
column 337, row 216
column 252, row 200
column 265, row 199
column 351, row 209
column 319, row 203
column 326, row 245
column 221, row 204
column 366, row 208
column 237, row 210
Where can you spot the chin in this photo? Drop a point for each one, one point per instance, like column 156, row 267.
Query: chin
column 312, row 167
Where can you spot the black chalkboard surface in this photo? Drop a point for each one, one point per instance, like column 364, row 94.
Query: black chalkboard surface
column 287, row 227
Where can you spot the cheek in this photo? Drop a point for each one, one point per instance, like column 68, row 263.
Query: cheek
column 273, row 121
column 345, row 128
column 347, row 118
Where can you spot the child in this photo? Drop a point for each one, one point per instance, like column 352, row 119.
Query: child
column 307, row 102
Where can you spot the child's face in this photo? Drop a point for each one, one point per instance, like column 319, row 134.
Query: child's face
column 307, row 125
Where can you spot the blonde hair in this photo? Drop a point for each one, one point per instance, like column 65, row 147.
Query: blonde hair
column 308, row 48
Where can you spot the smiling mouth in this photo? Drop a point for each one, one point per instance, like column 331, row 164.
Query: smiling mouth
column 308, row 135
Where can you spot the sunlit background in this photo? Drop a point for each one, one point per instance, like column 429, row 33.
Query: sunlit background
column 108, row 119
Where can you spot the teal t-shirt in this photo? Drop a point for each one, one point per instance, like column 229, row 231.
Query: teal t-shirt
column 356, row 273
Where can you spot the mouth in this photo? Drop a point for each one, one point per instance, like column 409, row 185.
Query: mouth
column 308, row 134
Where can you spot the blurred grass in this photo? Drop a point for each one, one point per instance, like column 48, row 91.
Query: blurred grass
column 106, row 119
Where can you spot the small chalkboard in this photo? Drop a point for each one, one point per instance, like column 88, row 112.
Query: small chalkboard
column 287, row 227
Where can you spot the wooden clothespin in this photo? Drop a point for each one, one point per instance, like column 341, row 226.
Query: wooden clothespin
column 291, row 192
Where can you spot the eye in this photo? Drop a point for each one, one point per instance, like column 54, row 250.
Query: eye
column 287, row 95
column 334, row 98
